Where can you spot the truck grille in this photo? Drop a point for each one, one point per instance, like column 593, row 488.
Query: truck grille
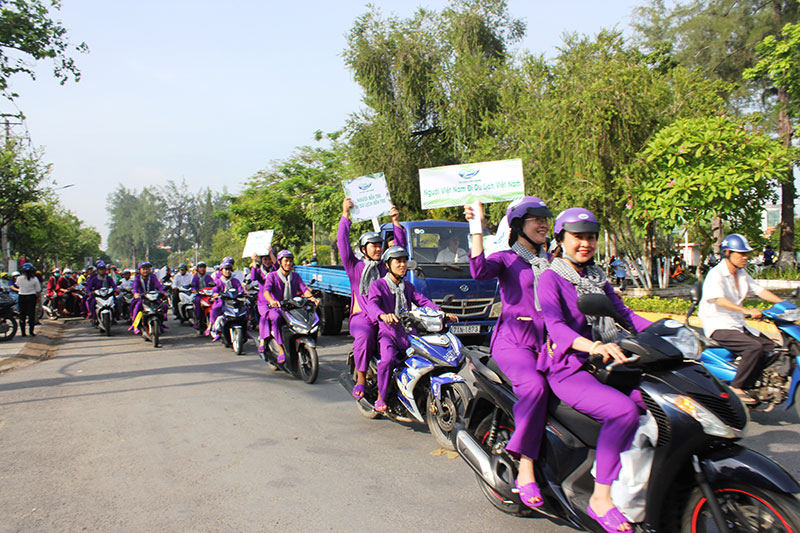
column 466, row 308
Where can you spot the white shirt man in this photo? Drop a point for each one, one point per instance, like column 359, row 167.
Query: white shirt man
column 452, row 254
column 182, row 279
column 722, row 313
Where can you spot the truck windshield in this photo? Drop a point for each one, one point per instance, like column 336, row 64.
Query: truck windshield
column 442, row 251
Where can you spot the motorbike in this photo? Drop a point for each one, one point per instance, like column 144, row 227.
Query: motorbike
column 125, row 302
column 299, row 331
column 206, row 301
column 781, row 370
column 104, row 309
column 71, row 299
column 700, row 478
column 8, row 319
column 152, row 316
column 231, row 324
column 167, row 285
column 50, row 307
column 252, row 305
column 427, row 386
column 185, row 305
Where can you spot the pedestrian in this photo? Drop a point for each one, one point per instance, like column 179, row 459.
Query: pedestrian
column 30, row 292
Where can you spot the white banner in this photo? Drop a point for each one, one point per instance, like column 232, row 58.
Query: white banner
column 492, row 181
column 258, row 242
column 370, row 196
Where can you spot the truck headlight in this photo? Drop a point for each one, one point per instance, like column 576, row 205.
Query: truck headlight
column 711, row 424
column 496, row 310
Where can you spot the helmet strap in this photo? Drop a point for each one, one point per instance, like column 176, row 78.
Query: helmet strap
column 536, row 247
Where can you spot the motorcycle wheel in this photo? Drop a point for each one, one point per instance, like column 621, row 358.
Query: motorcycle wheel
column 455, row 398
column 307, row 362
column 8, row 328
column 107, row 324
column 155, row 331
column 504, row 434
column 744, row 509
column 237, row 340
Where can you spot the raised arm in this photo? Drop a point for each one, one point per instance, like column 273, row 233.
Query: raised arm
column 343, row 237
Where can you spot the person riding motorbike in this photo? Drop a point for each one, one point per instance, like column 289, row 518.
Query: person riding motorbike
column 519, row 334
column 100, row 280
column 282, row 284
column 724, row 289
column 387, row 297
column 181, row 279
column 224, row 283
column 569, row 344
column 145, row 281
column 200, row 281
column 362, row 273
column 260, row 267
column 51, row 292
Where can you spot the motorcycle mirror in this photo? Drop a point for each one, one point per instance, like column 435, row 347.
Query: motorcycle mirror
column 313, row 281
column 696, row 291
column 795, row 292
column 412, row 264
column 598, row 305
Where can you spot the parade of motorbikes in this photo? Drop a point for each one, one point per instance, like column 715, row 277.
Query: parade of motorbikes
column 566, row 404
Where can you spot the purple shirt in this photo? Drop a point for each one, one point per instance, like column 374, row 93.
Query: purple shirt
column 222, row 284
column 353, row 266
column 141, row 285
column 94, row 282
column 565, row 323
column 274, row 285
column 516, row 280
column 201, row 283
column 381, row 301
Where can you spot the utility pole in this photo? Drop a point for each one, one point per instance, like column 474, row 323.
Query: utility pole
column 5, row 244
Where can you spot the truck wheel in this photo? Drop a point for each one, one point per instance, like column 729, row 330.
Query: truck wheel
column 328, row 320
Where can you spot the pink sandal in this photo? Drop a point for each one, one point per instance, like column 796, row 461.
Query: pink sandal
column 281, row 358
column 611, row 521
column 528, row 492
column 380, row 406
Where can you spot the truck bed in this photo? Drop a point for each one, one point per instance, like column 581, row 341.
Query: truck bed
column 327, row 278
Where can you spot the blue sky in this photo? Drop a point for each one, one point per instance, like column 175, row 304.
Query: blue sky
column 214, row 91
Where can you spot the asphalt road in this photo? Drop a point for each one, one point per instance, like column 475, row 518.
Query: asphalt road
column 114, row 435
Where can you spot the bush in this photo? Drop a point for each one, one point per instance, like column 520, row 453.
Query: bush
column 675, row 306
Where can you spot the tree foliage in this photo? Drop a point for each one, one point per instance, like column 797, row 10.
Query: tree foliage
column 27, row 32
column 701, row 168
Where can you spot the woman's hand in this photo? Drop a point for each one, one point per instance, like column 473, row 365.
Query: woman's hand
column 470, row 213
column 254, row 259
column 347, row 205
column 451, row 317
column 274, row 303
column 394, row 215
column 389, row 318
column 610, row 351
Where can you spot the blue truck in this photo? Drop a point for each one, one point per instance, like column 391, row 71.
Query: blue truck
column 441, row 275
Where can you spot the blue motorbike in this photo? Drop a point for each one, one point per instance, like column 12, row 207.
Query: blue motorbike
column 781, row 370
column 426, row 387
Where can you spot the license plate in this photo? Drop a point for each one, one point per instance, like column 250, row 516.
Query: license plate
column 465, row 329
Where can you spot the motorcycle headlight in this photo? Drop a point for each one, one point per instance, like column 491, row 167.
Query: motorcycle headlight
column 496, row 309
column 686, row 342
column 711, row 424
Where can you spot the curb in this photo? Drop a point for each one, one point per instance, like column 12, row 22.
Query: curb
column 766, row 327
column 40, row 348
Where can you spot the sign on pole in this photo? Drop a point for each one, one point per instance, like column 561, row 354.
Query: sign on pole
column 492, row 181
column 370, row 196
column 258, row 242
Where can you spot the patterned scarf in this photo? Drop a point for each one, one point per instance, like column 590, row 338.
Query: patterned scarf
column 399, row 291
column 539, row 263
column 603, row 327
column 287, row 284
column 368, row 275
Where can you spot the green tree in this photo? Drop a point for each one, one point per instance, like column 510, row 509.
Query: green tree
column 428, row 82
column 779, row 64
column 136, row 228
column 703, row 168
column 27, row 32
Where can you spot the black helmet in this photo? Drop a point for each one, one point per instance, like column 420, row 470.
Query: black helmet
column 182, row 266
column 201, row 264
column 395, row 252
column 369, row 237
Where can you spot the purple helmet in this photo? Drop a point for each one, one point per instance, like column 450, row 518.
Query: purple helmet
column 735, row 243
column 285, row 253
column 100, row 263
column 226, row 264
column 227, row 259
column 527, row 206
column 145, row 264
column 576, row 220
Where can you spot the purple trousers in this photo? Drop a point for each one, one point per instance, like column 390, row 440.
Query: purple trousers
column 263, row 320
column 198, row 309
column 530, row 411
column 392, row 345
column 365, row 339
column 618, row 412
column 274, row 321
column 216, row 310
